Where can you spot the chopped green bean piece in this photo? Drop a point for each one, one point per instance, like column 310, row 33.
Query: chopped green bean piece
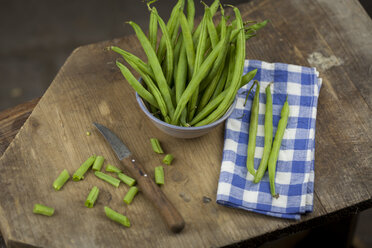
column 43, row 210
column 115, row 216
column 130, row 194
column 92, row 197
column 79, row 173
column 126, row 179
column 111, row 168
column 156, row 145
column 159, row 174
column 168, row 159
column 111, row 180
column 98, row 163
column 61, row 180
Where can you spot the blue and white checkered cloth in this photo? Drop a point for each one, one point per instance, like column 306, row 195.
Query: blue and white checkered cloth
column 294, row 180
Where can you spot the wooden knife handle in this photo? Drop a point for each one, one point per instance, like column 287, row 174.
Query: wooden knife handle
column 153, row 192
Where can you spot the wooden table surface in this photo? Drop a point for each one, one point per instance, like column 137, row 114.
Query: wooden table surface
column 336, row 37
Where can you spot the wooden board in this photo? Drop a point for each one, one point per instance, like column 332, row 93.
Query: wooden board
column 89, row 88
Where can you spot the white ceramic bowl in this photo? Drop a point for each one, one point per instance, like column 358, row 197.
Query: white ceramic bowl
column 183, row 132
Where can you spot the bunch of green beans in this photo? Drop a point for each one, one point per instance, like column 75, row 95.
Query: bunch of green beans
column 193, row 72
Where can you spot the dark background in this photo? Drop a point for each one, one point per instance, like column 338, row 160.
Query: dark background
column 38, row 35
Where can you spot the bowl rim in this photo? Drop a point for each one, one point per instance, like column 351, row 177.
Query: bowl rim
column 160, row 122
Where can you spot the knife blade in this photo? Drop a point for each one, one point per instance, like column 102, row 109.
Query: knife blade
column 121, row 150
column 170, row 214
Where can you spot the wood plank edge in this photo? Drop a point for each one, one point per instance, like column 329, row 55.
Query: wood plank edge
column 304, row 225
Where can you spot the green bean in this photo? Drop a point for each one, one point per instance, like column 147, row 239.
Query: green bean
column 175, row 35
column 248, row 77
column 276, row 146
column 253, row 130
column 115, row 216
column 212, row 30
column 217, row 64
column 171, row 26
column 195, row 81
column 107, row 178
column 153, row 27
column 200, row 51
column 189, row 44
column 79, row 173
column 61, row 180
column 180, row 81
column 173, row 95
column 190, row 13
column 168, row 159
column 221, row 81
column 156, row 147
column 154, row 90
column 98, row 163
column 136, row 85
column 213, row 8
column 210, row 89
column 212, row 105
column 92, row 197
column 222, row 24
column 236, row 79
column 111, row 168
column 169, row 49
column 128, row 198
column 43, row 210
column 155, row 65
column 126, row 179
column 231, row 66
column 215, row 102
column 268, row 136
column 130, row 57
column 177, row 52
column 159, row 175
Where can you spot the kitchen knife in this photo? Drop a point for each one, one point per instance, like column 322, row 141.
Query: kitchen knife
column 152, row 191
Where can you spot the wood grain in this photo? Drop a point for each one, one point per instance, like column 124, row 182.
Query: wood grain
column 89, row 88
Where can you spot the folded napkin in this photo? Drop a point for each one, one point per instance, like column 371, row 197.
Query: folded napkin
column 294, row 180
